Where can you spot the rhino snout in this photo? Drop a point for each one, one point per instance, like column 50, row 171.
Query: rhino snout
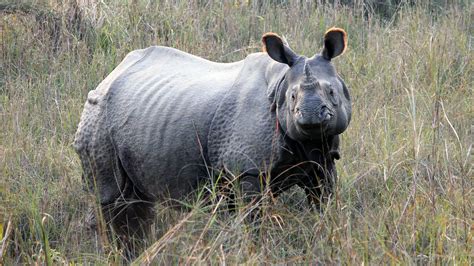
column 316, row 119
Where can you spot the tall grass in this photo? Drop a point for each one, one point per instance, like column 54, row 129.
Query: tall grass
column 405, row 191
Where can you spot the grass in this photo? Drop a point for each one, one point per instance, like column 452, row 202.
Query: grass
column 405, row 191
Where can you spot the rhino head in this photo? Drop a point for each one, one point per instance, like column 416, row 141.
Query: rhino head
column 312, row 100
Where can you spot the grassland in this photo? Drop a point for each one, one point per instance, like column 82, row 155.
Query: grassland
column 405, row 192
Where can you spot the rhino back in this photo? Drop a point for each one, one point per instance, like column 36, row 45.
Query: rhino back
column 158, row 115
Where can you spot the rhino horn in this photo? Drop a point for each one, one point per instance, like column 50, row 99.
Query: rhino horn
column 309, row 77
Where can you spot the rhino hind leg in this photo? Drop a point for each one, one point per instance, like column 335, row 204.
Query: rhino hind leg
column 125, row 209
column 130, row 217
column 101, row 171
column 129, row 214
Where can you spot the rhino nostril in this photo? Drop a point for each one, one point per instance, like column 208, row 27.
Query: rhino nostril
column 325, row 114
column 328, row 117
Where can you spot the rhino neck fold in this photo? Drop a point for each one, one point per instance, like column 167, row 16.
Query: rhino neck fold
column 278, row 103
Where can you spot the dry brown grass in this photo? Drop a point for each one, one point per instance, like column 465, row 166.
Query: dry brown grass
column 405, row 193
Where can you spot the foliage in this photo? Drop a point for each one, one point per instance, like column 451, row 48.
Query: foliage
column 405, row 192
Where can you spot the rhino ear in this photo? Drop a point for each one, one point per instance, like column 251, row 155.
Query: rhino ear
column 278, row 49
column 335, row 43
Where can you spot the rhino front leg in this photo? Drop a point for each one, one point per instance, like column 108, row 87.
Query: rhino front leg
column 319, row 187
column 250, row 188
column 251, row 191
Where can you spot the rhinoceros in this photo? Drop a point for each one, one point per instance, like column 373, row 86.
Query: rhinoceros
column 164, row 121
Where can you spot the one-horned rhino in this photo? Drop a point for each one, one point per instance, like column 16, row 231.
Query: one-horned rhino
column 164, row 121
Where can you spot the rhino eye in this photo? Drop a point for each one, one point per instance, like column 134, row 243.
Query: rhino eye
column 293, row 96
column 330, row 90
column 332, row 95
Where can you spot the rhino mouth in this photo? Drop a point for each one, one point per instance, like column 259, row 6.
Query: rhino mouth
column 312, row 130
column 313, row 127
column 314, row 124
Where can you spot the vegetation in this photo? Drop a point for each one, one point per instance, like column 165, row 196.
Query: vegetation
column 405, row 192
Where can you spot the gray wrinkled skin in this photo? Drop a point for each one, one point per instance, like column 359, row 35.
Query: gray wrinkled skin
column 164, row 120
